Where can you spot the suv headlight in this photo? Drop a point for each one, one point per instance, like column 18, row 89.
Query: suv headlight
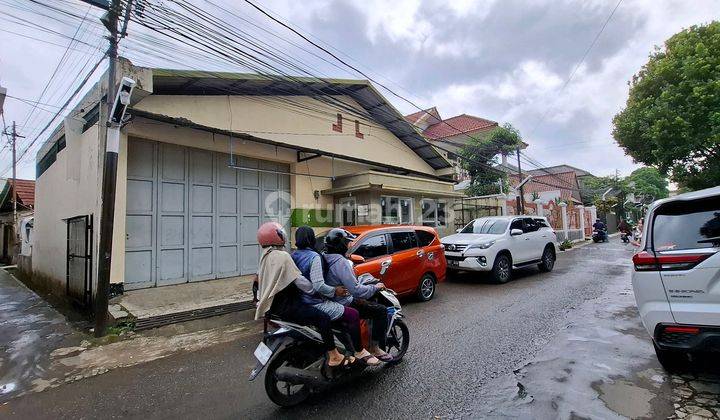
column 483, row 245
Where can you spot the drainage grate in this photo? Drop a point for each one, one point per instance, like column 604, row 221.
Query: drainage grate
column 159, row 321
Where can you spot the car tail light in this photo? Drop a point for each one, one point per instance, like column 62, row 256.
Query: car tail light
column 684, row 330
column 645, row 261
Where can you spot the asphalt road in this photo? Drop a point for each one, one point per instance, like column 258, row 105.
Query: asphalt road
column 472, row 332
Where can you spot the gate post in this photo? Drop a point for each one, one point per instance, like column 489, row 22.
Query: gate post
column 540, row 209
column 563, row 207
column 593, row 213
column 581, row 212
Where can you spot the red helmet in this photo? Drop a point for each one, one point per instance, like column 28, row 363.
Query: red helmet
column 271, row 234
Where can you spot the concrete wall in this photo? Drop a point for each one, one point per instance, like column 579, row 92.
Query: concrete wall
column 68, row 188
column 274, row 120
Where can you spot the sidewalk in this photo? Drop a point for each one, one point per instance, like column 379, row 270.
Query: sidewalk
column 155, row 307
column 30, row 330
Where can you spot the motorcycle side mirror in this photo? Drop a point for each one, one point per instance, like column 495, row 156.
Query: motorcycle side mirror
column 516, row 232
column 357, row 259
column 384, row 266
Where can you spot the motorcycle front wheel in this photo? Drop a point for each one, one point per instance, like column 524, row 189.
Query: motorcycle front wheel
column 397, row 341
column 286, row 394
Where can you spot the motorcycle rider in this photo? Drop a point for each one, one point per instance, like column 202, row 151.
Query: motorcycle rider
column 309, row 261
column 600, row 227
column 340, row 272
column 280, row 287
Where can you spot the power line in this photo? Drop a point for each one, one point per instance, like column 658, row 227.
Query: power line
column 57, row 67
column 67, row 102
column 577, row 66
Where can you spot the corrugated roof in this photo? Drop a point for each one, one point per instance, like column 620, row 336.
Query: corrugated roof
column 185, row 82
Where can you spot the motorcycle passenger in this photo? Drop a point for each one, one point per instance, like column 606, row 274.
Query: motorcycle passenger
column 601, row 228
column 309, row 261
column 340, row 272
column 280, row 287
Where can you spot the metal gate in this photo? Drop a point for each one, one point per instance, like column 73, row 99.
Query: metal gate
column 190, row 217
column 79, row 259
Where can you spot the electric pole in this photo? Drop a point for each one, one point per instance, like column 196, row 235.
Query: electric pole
column 13, row 136
column 107, row 213
column 521, row 201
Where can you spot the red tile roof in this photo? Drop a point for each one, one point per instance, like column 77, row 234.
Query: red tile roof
column 25, row 191
column 565, row 182
column 459, row 124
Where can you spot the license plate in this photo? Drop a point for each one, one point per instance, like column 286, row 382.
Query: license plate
column 263, row 353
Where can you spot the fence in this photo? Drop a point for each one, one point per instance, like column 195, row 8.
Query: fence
column 468, row 209
column 571, row 221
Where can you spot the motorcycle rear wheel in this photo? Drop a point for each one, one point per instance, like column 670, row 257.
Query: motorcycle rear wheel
column 398, row 341
column 283, row 393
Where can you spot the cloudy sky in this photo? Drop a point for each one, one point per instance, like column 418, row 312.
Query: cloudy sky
column 502, row 60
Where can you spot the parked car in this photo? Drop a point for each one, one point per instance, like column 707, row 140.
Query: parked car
column 413, row 256
column 676, row 276
column 499, row 244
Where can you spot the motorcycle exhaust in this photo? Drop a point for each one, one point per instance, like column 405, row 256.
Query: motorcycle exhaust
column 297, row 376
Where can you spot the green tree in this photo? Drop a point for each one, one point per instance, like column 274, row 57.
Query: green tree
column 648, row 183
column 480, row 155
column 672, row 117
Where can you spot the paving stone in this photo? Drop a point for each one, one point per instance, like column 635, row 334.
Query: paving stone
column 683, row 391
column 700, row 412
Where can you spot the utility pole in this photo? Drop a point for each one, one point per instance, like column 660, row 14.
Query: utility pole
column 13, row 136
column 107, row 213
column 521, row 201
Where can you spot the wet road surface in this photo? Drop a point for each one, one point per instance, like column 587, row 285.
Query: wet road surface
column 463, row 342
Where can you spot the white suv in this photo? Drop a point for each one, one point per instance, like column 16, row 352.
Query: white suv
column 677, row 276
column 498, row 244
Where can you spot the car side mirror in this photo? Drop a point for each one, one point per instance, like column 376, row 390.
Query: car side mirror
column 516, row 232
column 458, row 230
column 357, row 259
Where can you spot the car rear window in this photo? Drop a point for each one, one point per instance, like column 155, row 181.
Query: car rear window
column 687, row 225
column 542, row 223
column 403, row 240
column 424, row 238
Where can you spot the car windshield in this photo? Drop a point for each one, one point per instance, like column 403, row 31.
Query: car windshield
column 487, row 226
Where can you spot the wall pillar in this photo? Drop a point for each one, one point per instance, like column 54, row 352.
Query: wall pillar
column 504, row 199
column 563, row 207
column 593, row 213
column 581, row 212
column 540, row 209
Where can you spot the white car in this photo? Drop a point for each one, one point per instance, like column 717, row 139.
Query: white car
column 498, row 244
column 677, row 276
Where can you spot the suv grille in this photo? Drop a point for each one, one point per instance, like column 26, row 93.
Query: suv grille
column 455, row 247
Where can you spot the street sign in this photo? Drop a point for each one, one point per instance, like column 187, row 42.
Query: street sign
column 103, row 4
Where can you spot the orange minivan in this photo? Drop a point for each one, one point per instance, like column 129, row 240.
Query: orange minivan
column 413, row 256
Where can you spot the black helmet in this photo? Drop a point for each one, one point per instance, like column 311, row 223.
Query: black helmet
column 337, row 241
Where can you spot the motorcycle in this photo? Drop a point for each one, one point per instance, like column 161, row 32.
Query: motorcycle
column 600, row 236
column 295, row 358
column 624, row 237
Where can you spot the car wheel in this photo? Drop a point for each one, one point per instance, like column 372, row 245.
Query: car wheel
column 671, row 361
column 426, row 290
column 502, row 269
column 548, row 260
